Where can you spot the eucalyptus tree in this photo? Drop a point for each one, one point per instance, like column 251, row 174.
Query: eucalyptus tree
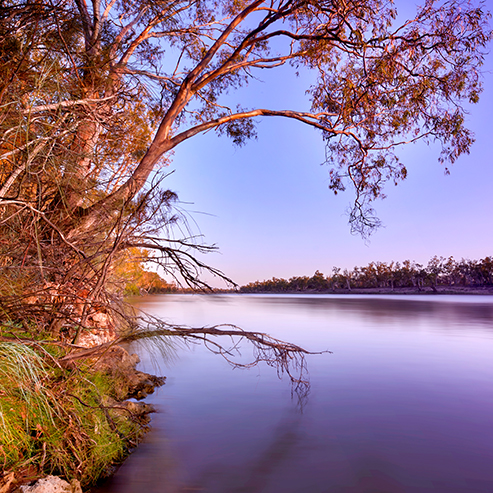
column 97, row 94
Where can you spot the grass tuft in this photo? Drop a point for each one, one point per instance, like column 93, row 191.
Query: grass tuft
column 55, row 420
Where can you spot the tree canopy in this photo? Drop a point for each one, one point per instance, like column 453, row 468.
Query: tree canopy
column 95, row 96
column 408, row 276
column 139, row 78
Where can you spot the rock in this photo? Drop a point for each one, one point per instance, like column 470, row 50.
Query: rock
column 141, row 384
column 117, row 357
column 102, row 330
column 138, row 408
column 117, row 362
column 6, row 481
column 129, row 407
column 52, row 484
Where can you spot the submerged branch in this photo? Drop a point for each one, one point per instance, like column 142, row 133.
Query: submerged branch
column 287, row 358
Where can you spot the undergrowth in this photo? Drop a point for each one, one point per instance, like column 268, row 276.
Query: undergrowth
column 57, row 420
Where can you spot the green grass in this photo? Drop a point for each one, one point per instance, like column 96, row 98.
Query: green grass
column 54, row 419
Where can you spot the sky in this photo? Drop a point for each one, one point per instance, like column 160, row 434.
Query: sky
column 268, row 208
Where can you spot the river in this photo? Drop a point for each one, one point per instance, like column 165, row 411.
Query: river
column 403, row 404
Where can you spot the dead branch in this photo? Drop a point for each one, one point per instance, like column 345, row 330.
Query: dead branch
column 287, row 358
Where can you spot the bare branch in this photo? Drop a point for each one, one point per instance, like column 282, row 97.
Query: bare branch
column 66, row 104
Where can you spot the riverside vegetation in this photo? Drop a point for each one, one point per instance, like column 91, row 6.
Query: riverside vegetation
column 95, row 96
column 69, row 420
column 439, row 275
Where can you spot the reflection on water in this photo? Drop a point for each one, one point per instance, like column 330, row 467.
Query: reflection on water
column 404, row 404
column 471, row 310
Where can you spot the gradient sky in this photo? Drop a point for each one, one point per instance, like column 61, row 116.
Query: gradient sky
column 268, row 208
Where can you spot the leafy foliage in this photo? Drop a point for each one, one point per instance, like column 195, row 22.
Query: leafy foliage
column 440, row 271
column 95, row 96
column 137, row 280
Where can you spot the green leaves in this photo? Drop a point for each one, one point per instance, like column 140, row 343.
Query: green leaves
column 96, row 97
column 392, row 85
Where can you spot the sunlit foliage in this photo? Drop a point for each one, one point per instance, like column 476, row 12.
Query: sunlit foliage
column 439, row 272
column 96, row 95
column 137, row 279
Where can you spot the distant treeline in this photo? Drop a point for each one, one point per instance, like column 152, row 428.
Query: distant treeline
column 440, row 271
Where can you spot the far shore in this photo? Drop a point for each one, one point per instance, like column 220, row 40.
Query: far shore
column 429, row 290
column 479, row 290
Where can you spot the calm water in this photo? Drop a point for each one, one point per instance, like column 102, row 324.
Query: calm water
column 404, row 403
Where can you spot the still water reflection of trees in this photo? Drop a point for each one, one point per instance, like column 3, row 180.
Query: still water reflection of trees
column 394, row 308
column 403, row 405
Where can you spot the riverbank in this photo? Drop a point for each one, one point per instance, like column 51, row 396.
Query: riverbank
column 92, row 425
column 76, row 419
column 426, row 290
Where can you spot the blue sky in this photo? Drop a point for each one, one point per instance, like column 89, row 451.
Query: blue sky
column 268, row 208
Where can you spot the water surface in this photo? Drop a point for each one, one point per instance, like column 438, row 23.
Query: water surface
column 404, row 403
